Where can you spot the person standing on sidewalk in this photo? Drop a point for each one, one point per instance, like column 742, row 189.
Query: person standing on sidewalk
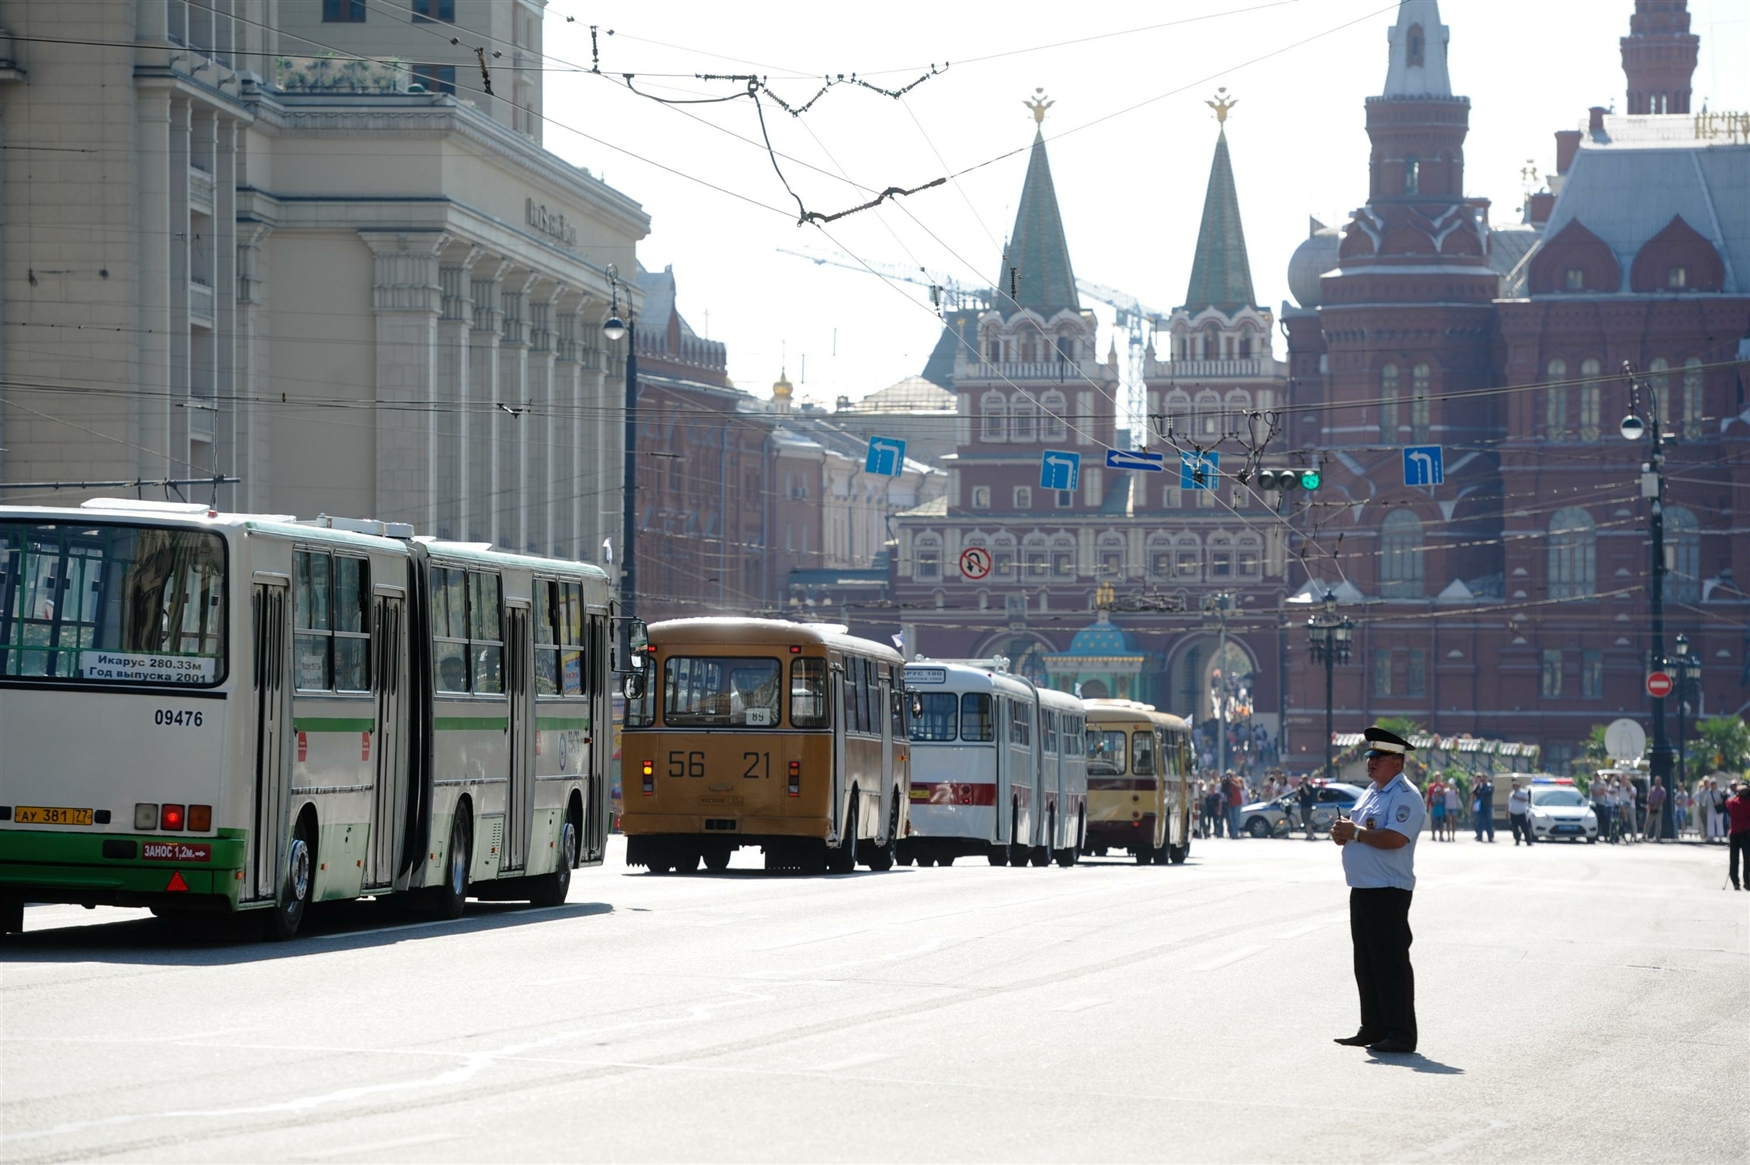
column 1437, row 810
column 1483, row 801
column 1653, row 828
column 1379, row 851
column 1236, row 797
column 1519, row 813
column 1305, row 797
column 1738, row 819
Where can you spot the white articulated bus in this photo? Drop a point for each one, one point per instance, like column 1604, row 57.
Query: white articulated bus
column 225, row 712
column 999, row 768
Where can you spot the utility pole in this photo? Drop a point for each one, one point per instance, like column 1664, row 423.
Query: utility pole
column 1688, row 677
column 1330, row 639
column 1653, row 489
column 1219, row 604
column 615, row 329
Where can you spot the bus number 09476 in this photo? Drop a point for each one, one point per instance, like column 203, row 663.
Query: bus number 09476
column 166, row 718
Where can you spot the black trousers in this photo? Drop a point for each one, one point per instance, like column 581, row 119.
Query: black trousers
column 1379, row 927
column 1740, row 847
column 1521, row 824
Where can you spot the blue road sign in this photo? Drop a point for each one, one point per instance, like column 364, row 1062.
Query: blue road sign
column 1134, row 459
column 1060, row 470
column 1422, row 465
column 886, row 455
column 1193, row 464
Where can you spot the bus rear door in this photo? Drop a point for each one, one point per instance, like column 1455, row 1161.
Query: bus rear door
column 388, row 799
column 273, row 717
column 519, row 801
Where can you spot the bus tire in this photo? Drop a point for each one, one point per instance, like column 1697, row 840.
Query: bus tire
column 293, row 900
column 999, row 855
column 552, row 889
column 1068, row 857
column 1041, row 855
column 881, row 854
column 1178, row 853
column 449, row 899
column 947, row 861
column 904, row 859
column 843, row 859
column 925, row 861
column 717, row 859
column 1019, row 851
column 1144, row 855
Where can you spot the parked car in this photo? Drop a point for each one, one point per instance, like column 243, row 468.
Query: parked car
column 1559, row 810
column 1275, row 818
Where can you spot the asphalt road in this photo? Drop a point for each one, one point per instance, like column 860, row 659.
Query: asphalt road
column 1582, row 1003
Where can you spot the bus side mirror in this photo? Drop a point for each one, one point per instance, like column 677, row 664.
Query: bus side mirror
column 917, row 704
column 631, row 644
column 632, row 686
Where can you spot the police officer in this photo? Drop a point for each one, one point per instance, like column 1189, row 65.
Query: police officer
column 1379, row 849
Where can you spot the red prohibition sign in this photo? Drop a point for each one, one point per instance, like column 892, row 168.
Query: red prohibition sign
column 975, row 562
column 1659, row 684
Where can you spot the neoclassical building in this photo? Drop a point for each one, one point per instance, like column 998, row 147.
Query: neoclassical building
column 245, row 241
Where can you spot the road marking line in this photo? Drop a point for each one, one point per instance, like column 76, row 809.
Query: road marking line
column 1231, row 957
column 1301, row 931
column 1082, row 1005
column 857, row 1061
column 404, row 1142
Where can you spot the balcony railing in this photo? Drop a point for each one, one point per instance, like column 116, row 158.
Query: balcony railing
column 1214, row 369
column 1057, row 370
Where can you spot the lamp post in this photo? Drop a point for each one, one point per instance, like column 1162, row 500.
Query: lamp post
column 1688, row 669
column 1653, row 489
column 616, row 329
column 1218, row 605
column 1329, row 636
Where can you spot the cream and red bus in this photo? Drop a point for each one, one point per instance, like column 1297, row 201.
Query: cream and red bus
column 207, row 712
column 759, row 732
column 1139, row 782
column 999, row 769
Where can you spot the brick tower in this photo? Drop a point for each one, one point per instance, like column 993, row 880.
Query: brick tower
column 1658, row 56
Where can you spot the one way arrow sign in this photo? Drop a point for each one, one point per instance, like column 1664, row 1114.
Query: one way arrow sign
column 1135, row 459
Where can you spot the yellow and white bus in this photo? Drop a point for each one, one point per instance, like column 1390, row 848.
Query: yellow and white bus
column 999, row 767
column 227, row 712
column 759, row 732
column 1139, row 782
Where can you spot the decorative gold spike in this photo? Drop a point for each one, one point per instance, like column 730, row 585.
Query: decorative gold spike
column 1222, row 104
column 1038, row 104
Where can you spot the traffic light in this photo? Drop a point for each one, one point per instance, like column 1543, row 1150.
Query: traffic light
column 1278, row 479
column 1310, row 479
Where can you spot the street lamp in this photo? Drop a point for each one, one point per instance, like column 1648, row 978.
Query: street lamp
column 1218, row 605
column 1688, row 677
column 1653, row 489
column 616, row 329
column 1329, row 637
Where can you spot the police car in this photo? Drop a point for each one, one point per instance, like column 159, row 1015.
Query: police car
column 1275, row 818
column 1560, row 811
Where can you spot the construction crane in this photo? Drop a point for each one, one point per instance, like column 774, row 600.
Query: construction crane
column 1134, row 319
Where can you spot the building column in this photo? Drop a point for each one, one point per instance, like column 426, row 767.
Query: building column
column 452, row 422
column 254, row 442
column 228, row 435
column 482, row 405
column 567, row 430
column 510, row 425
column 541, row 428
column 175, row 448
column 406, row 300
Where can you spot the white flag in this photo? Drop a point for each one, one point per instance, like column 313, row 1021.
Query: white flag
column 608, row 550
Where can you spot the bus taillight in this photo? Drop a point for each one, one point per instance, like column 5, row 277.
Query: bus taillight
column 795, row 778
column 171, row 817
column 650, row 778
column 200, row 818
column 145, row 816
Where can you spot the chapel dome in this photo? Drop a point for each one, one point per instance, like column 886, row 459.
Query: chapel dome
column 1314, row 257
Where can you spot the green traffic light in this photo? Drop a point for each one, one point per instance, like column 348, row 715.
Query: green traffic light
column 1310, row 479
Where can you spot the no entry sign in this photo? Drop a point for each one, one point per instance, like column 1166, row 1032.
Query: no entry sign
column 1659, row 684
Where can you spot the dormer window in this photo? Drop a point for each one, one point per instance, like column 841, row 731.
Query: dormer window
column 1412, row 174
column 1413, row 46
column 1677, row 278
column 1576, row 279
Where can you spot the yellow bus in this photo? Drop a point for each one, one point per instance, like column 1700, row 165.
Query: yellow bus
column 759, row 732
column 1139, row 782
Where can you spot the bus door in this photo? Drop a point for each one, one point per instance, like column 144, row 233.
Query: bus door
column 272, row 694
column 388, row 799
column 519, row 801
column 843, row 722
column 602, row 762
column 886, row 712
column 1004, row 813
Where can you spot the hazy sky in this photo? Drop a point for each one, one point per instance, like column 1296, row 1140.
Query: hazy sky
column 1130, row 140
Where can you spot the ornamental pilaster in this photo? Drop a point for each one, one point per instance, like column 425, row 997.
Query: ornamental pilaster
column 406, row 299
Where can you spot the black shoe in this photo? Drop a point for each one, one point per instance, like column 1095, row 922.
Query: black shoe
column 1358, row 1040
column 1391, row 1044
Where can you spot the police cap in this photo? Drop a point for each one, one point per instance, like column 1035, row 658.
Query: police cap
column 1383, row 742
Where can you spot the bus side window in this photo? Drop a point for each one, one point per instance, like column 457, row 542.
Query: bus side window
column 546, row 639
column 850, row 685
column 449, row 621
column 1048, row 727
column 1142, row 758
column 314, row 625
column 486, row 632
column 975, row 717
column 896, row 700
column 865, row 697
column 573, row 655
column 808, row 693
column 1020, row 724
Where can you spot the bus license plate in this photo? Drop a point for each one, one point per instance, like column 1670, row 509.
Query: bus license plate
column 40, row 815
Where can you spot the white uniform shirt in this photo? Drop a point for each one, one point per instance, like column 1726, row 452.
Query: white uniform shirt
column 1398, row 807
column 1519, row 801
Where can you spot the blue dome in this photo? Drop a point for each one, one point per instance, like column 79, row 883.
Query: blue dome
column 1101, row 638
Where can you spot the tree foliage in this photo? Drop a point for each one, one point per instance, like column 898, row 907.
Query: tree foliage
column 1723, row 742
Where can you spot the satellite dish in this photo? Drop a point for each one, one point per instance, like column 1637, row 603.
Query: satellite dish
column 1625, row 740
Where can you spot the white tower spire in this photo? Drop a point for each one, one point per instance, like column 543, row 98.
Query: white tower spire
column 1418, row 52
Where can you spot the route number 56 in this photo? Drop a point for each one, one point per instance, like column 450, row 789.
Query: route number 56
column 692, row 766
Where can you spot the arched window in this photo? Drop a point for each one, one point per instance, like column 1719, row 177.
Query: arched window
column 1421, row 379
column 1573, row 555
column 1400, row 556
column 1589, row 389
column 1249, row 556
column 1036, row 555
column 1692, row 399
column 1661, row 389
column 1237, row 405
column 1023, row 418
column 1208, row 415
column 1555, row 402
column 1211, row 343
column 1412, row 174
column 1111, row 551
column 992, row 345
column 927, row 557
column 1002, row 554
column 1221, row 558
column 1053, row 425
column 1159, row 555
column 1413, row 46
column 1066, row 348
column 1388, row 405
column 995, row 411
column 1178, row 413
column 1187, row 559
column 1683, row 555
column 1063, row 556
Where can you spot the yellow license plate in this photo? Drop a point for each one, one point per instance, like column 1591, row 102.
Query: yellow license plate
column 39, row 815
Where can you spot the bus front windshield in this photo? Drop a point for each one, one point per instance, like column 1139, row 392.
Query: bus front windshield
column 939, row 718
column 1106, row 753
column 97, row 603
column 720, row 692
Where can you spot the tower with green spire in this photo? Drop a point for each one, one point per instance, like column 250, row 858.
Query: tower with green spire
column 1036, row 271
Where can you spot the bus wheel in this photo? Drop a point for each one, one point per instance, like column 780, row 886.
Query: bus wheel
column 452, row 896
column 552, row 889
column 1067, row 857
column 904, row 859
column 843, row 860
column 1041, row 855
column 1144, row 855
column 717, row 859
column 687, row 861
column 1178, row 853
column 293, row 900
column 947, row 861
column 999, row 855
column 1019, row 851
column 881, row 855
